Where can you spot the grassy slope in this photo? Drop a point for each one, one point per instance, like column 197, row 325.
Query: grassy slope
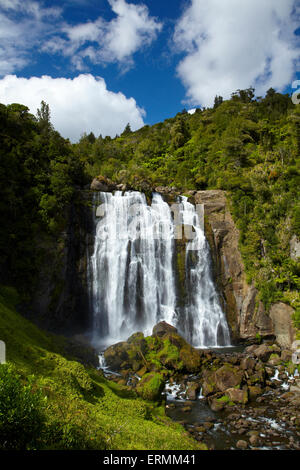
column 90, row 411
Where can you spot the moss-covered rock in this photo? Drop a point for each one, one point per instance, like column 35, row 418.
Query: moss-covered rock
column 151, row 386
column 237, row 396
column 228, row 376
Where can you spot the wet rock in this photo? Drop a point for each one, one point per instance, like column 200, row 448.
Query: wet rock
column 247, row 363
column 193, row 389
column 228, row 376
column 237, row 396
column 200, row 429
column 207, row 425
column 274, row 360
column 216, row 405
column 163, row 328
column 255, row 391
column 242, row 444
column 263, row 352
column 208, row 383
column 151, row 386
column 187, row 409
column 254, row 440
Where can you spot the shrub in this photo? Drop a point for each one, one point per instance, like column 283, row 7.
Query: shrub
column 22, row 420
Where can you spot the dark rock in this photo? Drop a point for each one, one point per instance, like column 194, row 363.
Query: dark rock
column 242, row 444
column 228, row 376
column 263, row 352
column 163, row 328
column 237, row 396
column 247, row 363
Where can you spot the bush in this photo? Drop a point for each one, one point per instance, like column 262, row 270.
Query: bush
column 22, row 420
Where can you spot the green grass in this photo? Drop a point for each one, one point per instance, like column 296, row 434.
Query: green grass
column 84, row 410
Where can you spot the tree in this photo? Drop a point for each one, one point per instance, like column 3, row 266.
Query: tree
column 43, row 117
column 218, row 101
column 127, row 130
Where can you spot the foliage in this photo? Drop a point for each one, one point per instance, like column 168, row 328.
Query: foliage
column 82, row 410
column 22, row 419
column 39, row 174
column 247, row 146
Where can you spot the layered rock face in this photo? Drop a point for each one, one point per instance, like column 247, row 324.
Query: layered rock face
column 245, row 312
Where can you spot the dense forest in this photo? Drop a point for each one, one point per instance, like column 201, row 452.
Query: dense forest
column 247, row 146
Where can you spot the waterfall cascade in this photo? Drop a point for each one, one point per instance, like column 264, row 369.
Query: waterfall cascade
column 131, row 273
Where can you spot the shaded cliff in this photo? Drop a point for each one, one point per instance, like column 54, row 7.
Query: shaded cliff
column 61, row 301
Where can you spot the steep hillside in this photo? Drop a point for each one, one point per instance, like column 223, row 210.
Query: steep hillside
column 75, row 406
column 248, row 147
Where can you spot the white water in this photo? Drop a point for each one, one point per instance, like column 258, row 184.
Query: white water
column 204, row 320
column 131, row 274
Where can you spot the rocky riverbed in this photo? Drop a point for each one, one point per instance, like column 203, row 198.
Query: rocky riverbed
column 239, row 398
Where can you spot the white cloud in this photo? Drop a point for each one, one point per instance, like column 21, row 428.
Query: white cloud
column 107, row 41
column 78, row 105
column 23, row 23
column 235, row 44
column 26, row 26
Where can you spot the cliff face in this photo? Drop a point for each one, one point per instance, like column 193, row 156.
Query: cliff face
column 60, row 303
column 245, row 312
column 61, row 300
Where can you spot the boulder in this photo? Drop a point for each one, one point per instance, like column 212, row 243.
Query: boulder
column 209, row 383
column 101, row 183
column 242, row 445
column 237, row 396
column 228, row 376
column 263, row 352
column 151, row 386
column 193, row 389
column 163, row 328
column 216, row 404
column 247, row 363
column 281, row 316
column 255, row 391
column 274, row 360
column 124, row 355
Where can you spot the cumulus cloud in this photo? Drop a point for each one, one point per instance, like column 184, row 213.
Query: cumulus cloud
column 82, row 104
column 107, row 41
column 27, row 24
column 23, row 24
column 234, row 44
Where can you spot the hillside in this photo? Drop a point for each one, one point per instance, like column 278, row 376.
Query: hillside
column 248, row 147
column 75, row 406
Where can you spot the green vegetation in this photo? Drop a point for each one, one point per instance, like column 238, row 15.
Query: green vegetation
column 39, row 177
column 248, row 147
column 50, row 401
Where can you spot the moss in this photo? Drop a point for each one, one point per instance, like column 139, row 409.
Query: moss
column 224, row 399
column 84, row 410
column 151, row 386
column 169, row 356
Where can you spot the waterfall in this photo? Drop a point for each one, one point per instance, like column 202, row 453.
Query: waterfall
column 204, row 320
column 131, row 272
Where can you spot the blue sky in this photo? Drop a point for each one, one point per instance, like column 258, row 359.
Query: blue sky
column 102, row 63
